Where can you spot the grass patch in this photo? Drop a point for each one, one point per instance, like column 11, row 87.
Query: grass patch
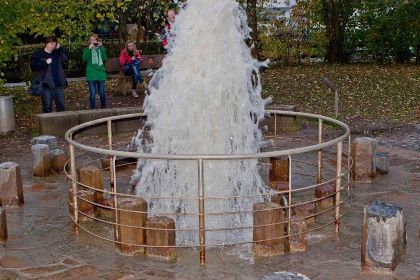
column 368, row 92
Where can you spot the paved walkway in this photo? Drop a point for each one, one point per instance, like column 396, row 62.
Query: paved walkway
column 42, row 243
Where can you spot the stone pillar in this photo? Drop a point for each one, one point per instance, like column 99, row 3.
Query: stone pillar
column 306, row 210
column 298, row 242
column 165, row 237
column 131, row 236
column 11, row 189
column 279, row 169
column 3, row 226
column 285, row 275
column 84, row 205
column 383, row 238
column 382, row 163
column 268, row 218
column 326, row 194
column 41, row 160
column 363, row 151
column 91, row 176
column 51, row 141
column 58, row 160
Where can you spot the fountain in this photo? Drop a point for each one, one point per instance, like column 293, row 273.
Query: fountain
column 206, row 99
column 198, row 179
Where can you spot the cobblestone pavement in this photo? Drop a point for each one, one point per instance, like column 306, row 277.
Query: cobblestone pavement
column 42, row 243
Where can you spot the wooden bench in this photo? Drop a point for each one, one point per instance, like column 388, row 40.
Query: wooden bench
column 115, row 70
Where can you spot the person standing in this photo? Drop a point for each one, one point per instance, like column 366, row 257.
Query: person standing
column 131, row 60
column 47, row 64
column 95, row 56
column 166, row 34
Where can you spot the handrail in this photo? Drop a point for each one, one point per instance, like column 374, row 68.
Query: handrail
column 69, row 138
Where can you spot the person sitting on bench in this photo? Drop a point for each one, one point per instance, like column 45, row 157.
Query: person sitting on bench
column 131, row 59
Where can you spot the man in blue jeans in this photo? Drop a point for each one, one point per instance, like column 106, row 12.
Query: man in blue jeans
column 47, row 63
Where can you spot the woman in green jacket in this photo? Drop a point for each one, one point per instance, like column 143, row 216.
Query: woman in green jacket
column 95, row 56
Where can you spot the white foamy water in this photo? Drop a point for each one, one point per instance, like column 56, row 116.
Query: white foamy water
column 206, row 99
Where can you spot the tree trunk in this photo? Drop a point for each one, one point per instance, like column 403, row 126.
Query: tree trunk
column 335, row 15
column 122, row 28
column 251, row 10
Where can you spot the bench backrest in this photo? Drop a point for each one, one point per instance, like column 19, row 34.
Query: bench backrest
column 153, row 61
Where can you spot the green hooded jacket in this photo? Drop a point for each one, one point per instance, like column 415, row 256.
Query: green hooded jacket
column 95, row 68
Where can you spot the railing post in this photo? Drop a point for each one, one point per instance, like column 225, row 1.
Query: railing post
column 275, row 126
column 336, row 102
column 338, row 187
column 74, row 188
column 202, row 226
column 114, row 192
column 111, row 161
column 319, row 173
column 348, row 167
column 290, row 196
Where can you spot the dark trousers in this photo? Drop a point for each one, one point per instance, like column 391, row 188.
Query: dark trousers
column 53, row 93
column 134, row 70
column 100, row 85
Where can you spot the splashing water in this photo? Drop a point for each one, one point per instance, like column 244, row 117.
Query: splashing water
column 206, row 99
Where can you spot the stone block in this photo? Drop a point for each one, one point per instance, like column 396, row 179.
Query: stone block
column 363, row 151
column 131, row 236
column 326, row 194
column 298, row 241
column 106, row 213
column 91, row 115
column 383, row 238
column 56, row 124
column 3, row 226
column 120, row 163
column 285, row 275
column 11, row 189
column 284, row 122
column 91, row 176
column 264, row 171
column 279, row 169
column 132, row 124
column 269, row 226
column 49, row 140
column 306, row 210
column 382, row 163
column 280, row 198
column 84, row 204
column 41, row 160
column 58, row 160
column 161, row 232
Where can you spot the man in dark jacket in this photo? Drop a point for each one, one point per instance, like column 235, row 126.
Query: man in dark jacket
column 47, row 65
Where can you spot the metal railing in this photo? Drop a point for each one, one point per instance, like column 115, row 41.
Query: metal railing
column 339, row 172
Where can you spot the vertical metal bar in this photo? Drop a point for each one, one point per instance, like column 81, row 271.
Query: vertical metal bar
column 74, row 188
column 338, row 187
column 275, row 126
column 319, row 173
column 111, row 161
column 336, row 103
column 114, row 193
column 202, row 231
column 348, row 167
column 290, row 196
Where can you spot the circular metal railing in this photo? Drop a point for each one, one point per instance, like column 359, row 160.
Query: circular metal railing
column 298, row 204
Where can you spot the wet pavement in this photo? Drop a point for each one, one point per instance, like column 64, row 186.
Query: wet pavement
column 42, row 243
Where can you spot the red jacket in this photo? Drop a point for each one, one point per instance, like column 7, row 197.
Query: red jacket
column 126, row 59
